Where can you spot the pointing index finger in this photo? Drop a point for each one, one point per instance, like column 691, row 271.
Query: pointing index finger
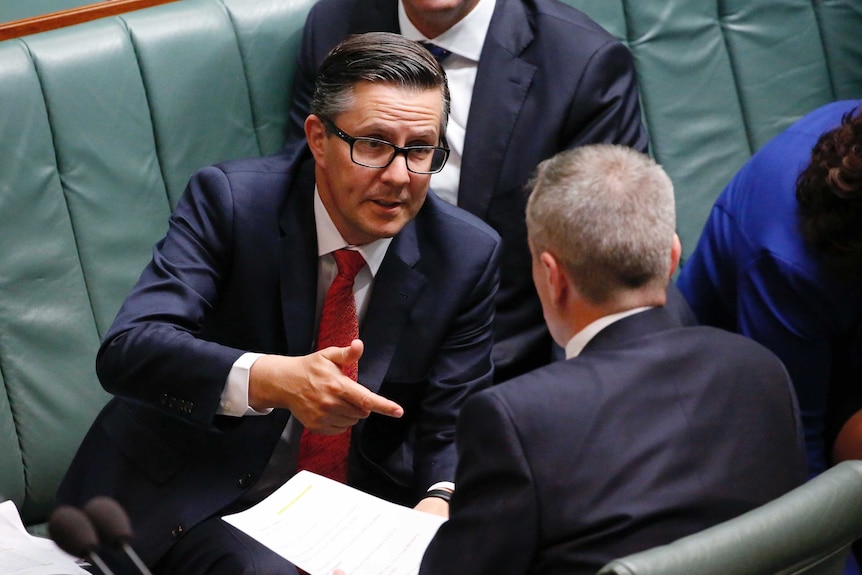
column 369, row 401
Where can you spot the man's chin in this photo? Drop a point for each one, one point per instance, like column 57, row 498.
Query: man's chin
column 377, row 230
column 388, row 231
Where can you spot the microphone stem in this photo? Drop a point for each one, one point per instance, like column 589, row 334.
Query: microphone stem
column 136, row 559
column 97, row 561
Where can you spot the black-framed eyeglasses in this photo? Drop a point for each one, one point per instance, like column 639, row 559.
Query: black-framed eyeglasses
column 375, row 153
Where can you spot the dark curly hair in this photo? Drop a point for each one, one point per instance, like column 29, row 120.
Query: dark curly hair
column 829, row 193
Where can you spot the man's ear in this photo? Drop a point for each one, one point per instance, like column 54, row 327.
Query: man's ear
column 675, row 254
column 558, row 281
column 315, row 133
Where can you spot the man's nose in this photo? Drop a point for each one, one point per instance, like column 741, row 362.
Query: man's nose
column 397, row 170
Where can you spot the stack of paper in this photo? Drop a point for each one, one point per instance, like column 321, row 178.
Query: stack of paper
column 24, row 554
column 321, row 525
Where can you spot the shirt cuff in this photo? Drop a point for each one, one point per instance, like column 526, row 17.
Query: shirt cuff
column 447, row 485
column 234, row 397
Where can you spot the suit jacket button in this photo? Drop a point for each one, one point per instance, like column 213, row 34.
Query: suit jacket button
column 176, row 531
column 245, row 480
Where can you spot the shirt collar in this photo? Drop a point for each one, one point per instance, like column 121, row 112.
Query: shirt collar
column 580, row 340
column 464, row 39
column 329, row 238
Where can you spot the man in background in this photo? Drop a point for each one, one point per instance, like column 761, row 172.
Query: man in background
column 528, row 79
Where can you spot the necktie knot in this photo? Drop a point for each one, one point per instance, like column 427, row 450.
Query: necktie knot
column 439, row 53
column 349, row 263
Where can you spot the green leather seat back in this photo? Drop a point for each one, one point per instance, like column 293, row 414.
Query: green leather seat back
column 47, row 329
column 103, row 124
column 806, row 531
column 719, row 79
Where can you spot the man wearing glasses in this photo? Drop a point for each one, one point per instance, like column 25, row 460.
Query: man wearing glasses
column 529, row 78
column 212, row 357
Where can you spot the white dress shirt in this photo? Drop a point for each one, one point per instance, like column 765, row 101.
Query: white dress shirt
column 580, row 340
column 465, row 40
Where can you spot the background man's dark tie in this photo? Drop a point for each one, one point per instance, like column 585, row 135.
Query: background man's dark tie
column 439, row 53
column 327, row 454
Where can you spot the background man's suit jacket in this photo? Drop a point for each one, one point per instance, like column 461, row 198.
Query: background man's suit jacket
column 655, row 431
column 549, row 79
column 237, row 272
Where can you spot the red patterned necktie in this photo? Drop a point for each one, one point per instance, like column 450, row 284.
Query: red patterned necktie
column 327, row 454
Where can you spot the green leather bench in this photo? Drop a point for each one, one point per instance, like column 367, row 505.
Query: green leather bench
column 102, row 123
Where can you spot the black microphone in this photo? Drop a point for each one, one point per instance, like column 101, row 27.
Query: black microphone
column 113, row 526
column 73, row 532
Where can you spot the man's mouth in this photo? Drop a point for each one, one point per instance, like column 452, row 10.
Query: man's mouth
column 388, row 204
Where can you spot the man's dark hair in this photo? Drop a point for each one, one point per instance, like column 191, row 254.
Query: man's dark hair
column 377, row 57
column 829, row 193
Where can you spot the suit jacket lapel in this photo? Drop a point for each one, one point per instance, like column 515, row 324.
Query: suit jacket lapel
column 502, row 83
column 299, row 259
column 396, row 288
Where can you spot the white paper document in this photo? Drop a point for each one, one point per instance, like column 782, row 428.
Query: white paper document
column 24, row 554
column 321, row 525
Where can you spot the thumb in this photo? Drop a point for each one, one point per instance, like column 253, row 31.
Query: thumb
column 345, row 356
column 353, row 352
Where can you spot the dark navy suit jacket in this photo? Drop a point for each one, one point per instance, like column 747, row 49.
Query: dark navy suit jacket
column 655, row 431
column 237, row 272
column 549, row 79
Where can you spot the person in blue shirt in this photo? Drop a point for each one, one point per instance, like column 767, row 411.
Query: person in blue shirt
column 780, row 261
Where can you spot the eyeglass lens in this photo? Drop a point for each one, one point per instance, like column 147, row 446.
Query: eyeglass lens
column 378, row 154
